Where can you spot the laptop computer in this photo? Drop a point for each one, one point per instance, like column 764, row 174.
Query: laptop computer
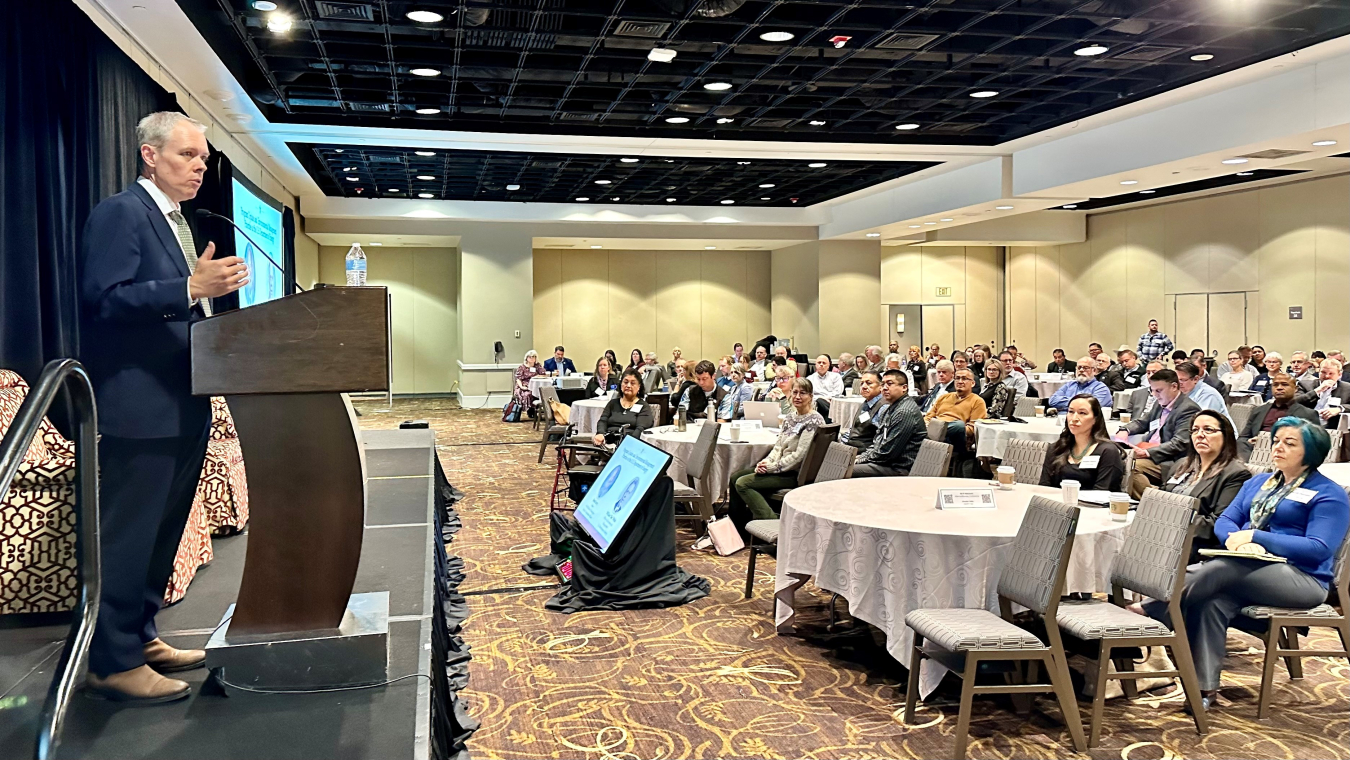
column 767, row 412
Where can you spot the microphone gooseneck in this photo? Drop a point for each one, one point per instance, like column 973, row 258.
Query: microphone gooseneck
column 202, row 213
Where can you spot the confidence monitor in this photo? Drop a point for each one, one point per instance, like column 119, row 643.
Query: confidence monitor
column 260, row 217
column 619, row 488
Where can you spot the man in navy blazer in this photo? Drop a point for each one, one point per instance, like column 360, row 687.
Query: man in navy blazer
column 141, row 285
column 559, row 364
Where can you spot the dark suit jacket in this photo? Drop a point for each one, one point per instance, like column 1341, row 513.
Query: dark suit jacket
column 593, row 387
column 134, row 316
column 1341, row 391
column 1138, row 402
column 1253, row 426
column 863, row 432
column 700, row 403
column 1176, row 431
column 551, row 365
column 1214, row 493
column 1068, row 367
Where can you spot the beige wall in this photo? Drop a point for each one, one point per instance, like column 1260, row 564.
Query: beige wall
column 421, row 282
column 850, row 291
column 1281, row 246
column 913, row 274
column 795, row 303
column 701, row 301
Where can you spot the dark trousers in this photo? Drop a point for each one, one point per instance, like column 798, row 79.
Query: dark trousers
column 1215, row 594
column 146, row 487
column 746, row 500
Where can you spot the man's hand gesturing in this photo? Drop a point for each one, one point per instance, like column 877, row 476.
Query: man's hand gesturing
column 217, row 277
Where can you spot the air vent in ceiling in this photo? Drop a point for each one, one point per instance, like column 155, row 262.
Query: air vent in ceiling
column 314, row 102
column 371, row 107
column 384, row 158
column 1274, row 153
column 573, row 116
column 344, row 11
column 650, row 29
column 903, row 41
column 506, row 38
column 1147, row 53
column 545, row 164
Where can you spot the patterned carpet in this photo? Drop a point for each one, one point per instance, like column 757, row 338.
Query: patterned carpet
column 712, row 680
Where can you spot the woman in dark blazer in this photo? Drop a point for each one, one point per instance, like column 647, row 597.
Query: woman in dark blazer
column 628, row 408
column 604, row 379
column 1211, row 472
column 1084, row 452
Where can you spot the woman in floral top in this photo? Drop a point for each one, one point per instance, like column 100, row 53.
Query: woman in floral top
column 528, row 370
column 778, row 470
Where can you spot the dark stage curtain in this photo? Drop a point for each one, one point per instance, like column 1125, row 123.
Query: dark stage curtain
column 69, row 103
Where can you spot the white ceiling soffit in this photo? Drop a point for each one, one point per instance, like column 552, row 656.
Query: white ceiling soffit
column 663, row 244
column 344, row 240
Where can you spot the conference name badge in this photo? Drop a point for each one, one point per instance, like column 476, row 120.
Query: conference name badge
column 966, row 498
column 1302, row 495
column 864, row 417
column 1154, row 425
column 1090, row 463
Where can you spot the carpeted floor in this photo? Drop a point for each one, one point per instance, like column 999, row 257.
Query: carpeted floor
column 712, row 680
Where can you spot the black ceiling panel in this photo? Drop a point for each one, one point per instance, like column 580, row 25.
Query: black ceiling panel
column 471, row 175
column 572, row 67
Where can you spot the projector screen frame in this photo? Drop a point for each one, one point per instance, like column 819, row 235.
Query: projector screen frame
column 226, row 245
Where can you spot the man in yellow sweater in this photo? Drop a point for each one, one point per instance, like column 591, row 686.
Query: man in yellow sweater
column 959, row 410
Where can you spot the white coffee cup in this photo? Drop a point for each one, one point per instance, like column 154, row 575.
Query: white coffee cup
column 1005, row 476
column 1069, row 491
column 735, row 432
column 1120, row 507
column 1124, row 418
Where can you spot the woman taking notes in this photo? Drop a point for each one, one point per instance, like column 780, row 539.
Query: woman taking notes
column 627, row 408
column 1084, row 452
column 1295, row 513
column 1211, row 473
column 778, row 469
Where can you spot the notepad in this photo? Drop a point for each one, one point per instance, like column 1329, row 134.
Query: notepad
column 1267, row 557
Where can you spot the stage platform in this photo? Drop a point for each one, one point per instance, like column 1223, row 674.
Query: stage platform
column 385, row 722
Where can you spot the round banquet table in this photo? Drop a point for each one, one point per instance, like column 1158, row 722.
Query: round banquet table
column 991, row 438
column 586, row 413
column 882, row 544
column 539, row 382
column 730, row 456
column 844, row 410
column 1046, row 388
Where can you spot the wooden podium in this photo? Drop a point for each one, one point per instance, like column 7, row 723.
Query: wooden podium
column 283, row 367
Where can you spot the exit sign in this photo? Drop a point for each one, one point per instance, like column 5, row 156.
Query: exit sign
column 943, row 292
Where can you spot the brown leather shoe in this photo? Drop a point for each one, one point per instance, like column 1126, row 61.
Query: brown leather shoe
column 138, row 686
column 166, row 659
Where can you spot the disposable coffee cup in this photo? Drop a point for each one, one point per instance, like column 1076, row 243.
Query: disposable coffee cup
column 735, row 432
column 1124, row 418
column 1120, row 507
column 1069, row 491
column 1005, row 476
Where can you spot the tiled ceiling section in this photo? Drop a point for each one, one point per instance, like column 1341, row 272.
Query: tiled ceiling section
column 389, row 172
column 839, row 70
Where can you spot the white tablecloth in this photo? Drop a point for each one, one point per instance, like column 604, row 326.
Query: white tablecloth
column 1046, row 388
column 586, row 413
column 881, row 544
column 991, row 438
column 539, row 382
column 731, row 456
column 844, row 409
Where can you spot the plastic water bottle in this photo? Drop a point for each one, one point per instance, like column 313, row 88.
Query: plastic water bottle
column 356, row 265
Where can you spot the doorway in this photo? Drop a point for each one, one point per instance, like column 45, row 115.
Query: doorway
column 1212, row 321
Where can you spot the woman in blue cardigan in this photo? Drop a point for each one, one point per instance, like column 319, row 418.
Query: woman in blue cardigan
column 1296, row 513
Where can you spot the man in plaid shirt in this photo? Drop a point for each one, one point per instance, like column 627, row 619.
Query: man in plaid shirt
column 1154, row 344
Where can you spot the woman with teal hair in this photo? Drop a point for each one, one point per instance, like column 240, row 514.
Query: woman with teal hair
column 1295, row 513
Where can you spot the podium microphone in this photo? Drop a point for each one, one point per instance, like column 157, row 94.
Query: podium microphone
column 205, row 214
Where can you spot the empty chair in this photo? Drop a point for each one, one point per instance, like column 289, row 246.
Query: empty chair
column 937, row 430
column 1260, row 460
column 1027, row 406
column 1027, row 458
column 1153, row 563
column 553, row 432
column 695, row 492
column 1334, row 455
column 961, row 639
column 838, row 462
column 932, row 460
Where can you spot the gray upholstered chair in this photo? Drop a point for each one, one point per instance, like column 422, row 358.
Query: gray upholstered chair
column 553, row 431
column 1278, row 628
column 838, row 462
column 1334, row 454
column 695, row 492
column 1026, row 406
column 1260, row 460
column 936, row 430
column 1240, row 414
column 763, row 535
column 961, row 639
column 1027, row 458
column 932, row 460
column 1153, row 563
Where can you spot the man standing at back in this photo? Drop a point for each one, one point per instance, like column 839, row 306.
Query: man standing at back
column 1153, row 344
column 141, row 285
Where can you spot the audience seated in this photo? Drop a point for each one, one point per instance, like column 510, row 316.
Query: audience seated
column 959, row 410
column 739, row 392
column 1141, row 400
column 1000, row 394
column 627, row 409
column 1237, row 375
column 1190, row 376
column 1084, row 452
column 1258, row 359
column 781, row 352
column 876, row 361
column 724, row 372
column 1127, row 374
column 603, row 381
column 738, row 354
column 1271, row 363
column 1211, row 472
column 943, row 385
column 1021, row 361
column 654, row 374
column 1296, row 513
column 559, row 364
column 1085, row 381
column 825, row 382
column 781, row 390
column 527, row 371
column 864, row 428
column 703, row 394
column 978, row 358
column 961, row 361
column 934, row 356
column 676, row 356
column 918, row 371
column 1061, row 365
column 847, row 372
column 636, row 360
column 778, row 470
column 1304, row 372
column 1012, row 377
column 1096, row 352
column 760, row 368
column 1263, row 418
column 900, row 431
column 1330, row 396
column 1168, row 428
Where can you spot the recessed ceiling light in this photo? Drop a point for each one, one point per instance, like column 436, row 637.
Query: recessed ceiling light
column 1070, row 205
column 349, row 169
column 1244, row 174
column 428, row 111
column 907, row 126
column 393, row 190
column 263, row 5
column 279, row 23
column 512, row 188
column 946, row 220
column 425, row 17
column 424, row 72
column 615, row 198
column 421, row 152
column 767, row 185
column 1324, row 143
column 425, row 176
column 817, row 165
column 873, row 234
column 709, row 247
column 984, row 93
column 597, row 246
column 915, row 226
column 670, row 200
column 353, row 179
column 661, row 55
column 1147, row 192
column 766, row 199
column 717, row 86
column 669, row 161
column 776, row 36
column 930, row 222
column 725, row 120
column 1233, row 161
column 1202, row 57
column 742, row 163
column 425, row 195
column 817, row 123
column 1003, row 208
column 583, row 199
column 338, row 150
column 1129, row 182
column 602, row 182
column 1090, row 50
column 629, row 160
column 677, row 119
column 374, row 243
column 727, row 202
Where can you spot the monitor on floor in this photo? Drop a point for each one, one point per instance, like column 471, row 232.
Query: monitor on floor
column 619, row 488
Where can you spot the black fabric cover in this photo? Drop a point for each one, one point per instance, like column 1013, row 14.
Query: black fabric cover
column 451, row 724
column 640, row 570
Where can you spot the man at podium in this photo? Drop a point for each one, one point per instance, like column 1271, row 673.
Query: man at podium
column 141, row 284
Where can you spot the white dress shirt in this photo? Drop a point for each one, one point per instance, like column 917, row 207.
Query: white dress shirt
column 829, row 385
column 1018, row 382
column 167, row 207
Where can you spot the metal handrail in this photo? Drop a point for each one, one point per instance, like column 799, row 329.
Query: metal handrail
column 70, row 375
